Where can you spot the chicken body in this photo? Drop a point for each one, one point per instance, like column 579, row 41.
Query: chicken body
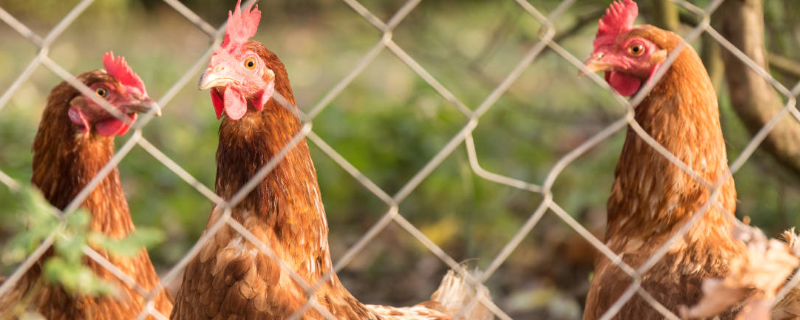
column 652, row 198
column 231, row 278
column 64, row 161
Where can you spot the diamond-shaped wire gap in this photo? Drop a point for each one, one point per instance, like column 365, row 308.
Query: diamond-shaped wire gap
column 445, row 224
column 466, row 215
column 11, row 61
column 178, row 210
column 159, row 62
column 406, row 123
column 727, row 45
column 585, row 184
column 186, row 133
column 20, row 28
column 470, row 279
column 547, row 276
column 39, row 20
column 376, row 233
column 352, row 209
column 471, row 49
column 553, row 174
column 56, row 31
column 393, row 269
column 787, row 95
column 763, row 195
column 319, row 46
column 525, row 130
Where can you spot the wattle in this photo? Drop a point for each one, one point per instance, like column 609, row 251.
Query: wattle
column 624, row 84
column 114, row 126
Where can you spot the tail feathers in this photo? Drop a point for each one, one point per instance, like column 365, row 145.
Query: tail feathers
column 460, row 299
column 754, row 280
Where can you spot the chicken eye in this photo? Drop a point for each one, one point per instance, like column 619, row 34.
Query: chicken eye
column 250, row 63
column 636, row 49
column 101, row 92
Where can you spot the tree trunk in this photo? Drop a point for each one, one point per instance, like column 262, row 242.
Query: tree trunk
column 753, row 98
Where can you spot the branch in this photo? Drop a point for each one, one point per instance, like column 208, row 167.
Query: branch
column 785, row 65
column 780, row 63
column 752, row 97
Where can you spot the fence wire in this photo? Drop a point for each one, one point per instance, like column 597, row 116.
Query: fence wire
column 393, row 214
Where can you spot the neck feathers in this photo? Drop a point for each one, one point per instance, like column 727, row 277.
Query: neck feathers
column 285, row 210
column 65, row 161
column 651, row 195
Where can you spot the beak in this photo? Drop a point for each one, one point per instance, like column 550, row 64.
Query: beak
column 596, row 63
column 213, row 78
column 143, row 106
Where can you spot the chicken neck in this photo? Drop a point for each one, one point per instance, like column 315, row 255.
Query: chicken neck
column 285, row 210
column 64, row 162
column 652, row 197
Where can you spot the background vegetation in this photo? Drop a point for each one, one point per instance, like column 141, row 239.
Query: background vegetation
column 388, row 123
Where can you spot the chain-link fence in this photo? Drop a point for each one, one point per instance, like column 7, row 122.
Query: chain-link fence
column 472, row 117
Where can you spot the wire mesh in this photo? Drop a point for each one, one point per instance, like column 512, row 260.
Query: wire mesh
column 464, row 136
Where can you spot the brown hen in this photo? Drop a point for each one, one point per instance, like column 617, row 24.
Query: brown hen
column 75, row 140
column 652, row 197
column 231, row 278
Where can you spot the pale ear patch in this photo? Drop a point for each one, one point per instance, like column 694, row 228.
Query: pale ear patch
column 264, row 95
column 658, row 56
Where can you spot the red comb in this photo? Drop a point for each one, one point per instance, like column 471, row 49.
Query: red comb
column 241, row 25
column 618, row 18
column 119, row 69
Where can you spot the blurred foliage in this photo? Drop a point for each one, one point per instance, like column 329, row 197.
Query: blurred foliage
column 389, row 123
column 64, row 265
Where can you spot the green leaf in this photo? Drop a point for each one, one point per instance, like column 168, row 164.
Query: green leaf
column 33, row 205
column 33, row 213
column 78, row 220
column 130, row 245
column 71, row 249
column 75, row 278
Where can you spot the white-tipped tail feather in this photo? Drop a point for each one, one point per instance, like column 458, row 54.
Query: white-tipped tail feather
column 460, row 299
column 455, row 299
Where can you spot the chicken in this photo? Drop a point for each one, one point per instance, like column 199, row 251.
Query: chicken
column 75, row 140
column 652, row 197
column 230, row 278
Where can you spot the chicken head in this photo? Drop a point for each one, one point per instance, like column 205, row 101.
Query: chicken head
column 237, row 75
column 121, row 88
column 622, row 52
